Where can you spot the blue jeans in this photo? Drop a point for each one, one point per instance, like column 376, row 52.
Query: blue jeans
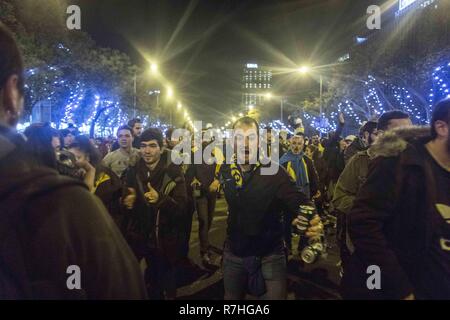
column 274, row 272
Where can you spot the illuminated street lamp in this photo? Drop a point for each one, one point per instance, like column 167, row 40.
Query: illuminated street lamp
column 179, row 106
column 304, row 69
column 153, row 67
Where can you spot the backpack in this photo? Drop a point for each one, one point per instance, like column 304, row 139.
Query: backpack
column 14, row 282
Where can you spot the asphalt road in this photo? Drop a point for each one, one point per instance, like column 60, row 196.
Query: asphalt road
column 195, row 282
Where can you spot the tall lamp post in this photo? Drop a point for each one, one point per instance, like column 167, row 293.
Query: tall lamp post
column 134, row 94
column 154, row 70
column 306, row 69
column 156, row 93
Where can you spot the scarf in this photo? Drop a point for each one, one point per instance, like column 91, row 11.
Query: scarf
column 236, row 172
column 298, row 170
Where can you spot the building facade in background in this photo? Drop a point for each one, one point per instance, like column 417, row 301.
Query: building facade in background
column 256, row 83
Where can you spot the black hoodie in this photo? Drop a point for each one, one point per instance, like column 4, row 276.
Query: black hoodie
column 61, row 225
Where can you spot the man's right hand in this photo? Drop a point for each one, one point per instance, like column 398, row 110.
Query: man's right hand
column 130, row 199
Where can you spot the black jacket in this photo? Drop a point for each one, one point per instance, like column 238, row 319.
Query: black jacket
column 156, row 226
column 108, row 187
column 391, row 222
column 333, row 156
column 63, row 225
column 255, row 221
column 205, row 173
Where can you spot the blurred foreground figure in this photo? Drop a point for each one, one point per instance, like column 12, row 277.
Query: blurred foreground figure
column 399, row 223
column 50, row 225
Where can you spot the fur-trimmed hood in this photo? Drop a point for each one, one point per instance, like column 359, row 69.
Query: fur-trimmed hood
column 393, row 142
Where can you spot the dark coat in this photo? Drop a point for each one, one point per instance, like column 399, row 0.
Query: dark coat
column 391, row 220
column 62, row 225
column 156, row 226
column 333, row 156
column 108, row 187
column 258, row 208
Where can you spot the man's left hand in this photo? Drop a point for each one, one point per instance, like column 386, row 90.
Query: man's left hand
column 214, row 186
column 315, row 229
column 152, row 195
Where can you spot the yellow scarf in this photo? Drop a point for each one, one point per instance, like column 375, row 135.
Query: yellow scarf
column 237, row 173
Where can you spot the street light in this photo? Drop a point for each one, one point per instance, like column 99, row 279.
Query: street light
column 153, row 67
column 268, row 95
column 179, row 106
column 304, row 69
column 233, row 118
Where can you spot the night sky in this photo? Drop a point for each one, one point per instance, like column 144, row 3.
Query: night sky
column 202, row 45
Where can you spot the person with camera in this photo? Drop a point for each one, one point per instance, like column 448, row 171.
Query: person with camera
column 67, row 137
column 49, row 222
column 101, row 181
column 254, row 258
column 154, row 206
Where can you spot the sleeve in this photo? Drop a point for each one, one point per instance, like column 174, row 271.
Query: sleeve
column 77, row 230
column 313, row 177
column 346, row 187
column 289, row 195
column 335, row 137
column 349, row 153
column 107, row 161
column 175, row 201
column 372, row 210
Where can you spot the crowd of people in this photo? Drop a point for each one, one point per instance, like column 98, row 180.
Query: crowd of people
column 122, row 210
